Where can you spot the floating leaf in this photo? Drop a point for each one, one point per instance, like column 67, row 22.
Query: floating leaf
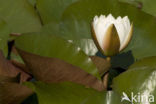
column 32, row 2
column 147, row 6
column 144, row 63
column 51, row 10
column 70, row 93
column 55, row 47
column 8, row 69
column 53, row 70
column 4, row 36
column 139, row 79
column 87, row 45
column 13, row 93
column 21, row 18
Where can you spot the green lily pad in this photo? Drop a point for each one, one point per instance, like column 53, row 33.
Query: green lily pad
column 32, row 2
column 56, row 47
column 147, row 6
column 52, row 28
column 51, row 10
column 144, row 31
column 4, row 36
column 144, row 63
column 20, row 16
column 70, row 93
column 139, row 80
column 76, row 28
column 87, row 45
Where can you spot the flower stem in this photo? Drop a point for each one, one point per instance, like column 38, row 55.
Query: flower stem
column 106, row 76
column 105, row 80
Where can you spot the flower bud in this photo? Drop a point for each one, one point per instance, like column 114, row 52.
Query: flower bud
column 111, row 35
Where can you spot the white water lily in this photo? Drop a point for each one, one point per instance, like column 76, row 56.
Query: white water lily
column 111, row 35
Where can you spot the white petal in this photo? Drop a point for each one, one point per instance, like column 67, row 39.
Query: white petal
column 119, row 24
column 126, row 22
column 127, row 38
column 110, row 18
column 101, row 24
column 100, row 28
column 127, row 26
column 95, row 21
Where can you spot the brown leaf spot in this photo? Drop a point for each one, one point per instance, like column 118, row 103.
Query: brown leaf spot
column 8, row 69
column 55, row 70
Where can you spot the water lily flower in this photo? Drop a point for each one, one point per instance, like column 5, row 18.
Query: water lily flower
column 111, row 35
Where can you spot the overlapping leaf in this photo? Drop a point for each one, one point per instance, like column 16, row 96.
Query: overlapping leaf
column 11, row 92
column 147, row 6
column 139, row 79
column 51, row 10
column 70, row 93
column 54, row 47
column 20, row 16
column 9, row 70
column 53, row 70
column 87, row 45
column 4, row 36
column 144, row 63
